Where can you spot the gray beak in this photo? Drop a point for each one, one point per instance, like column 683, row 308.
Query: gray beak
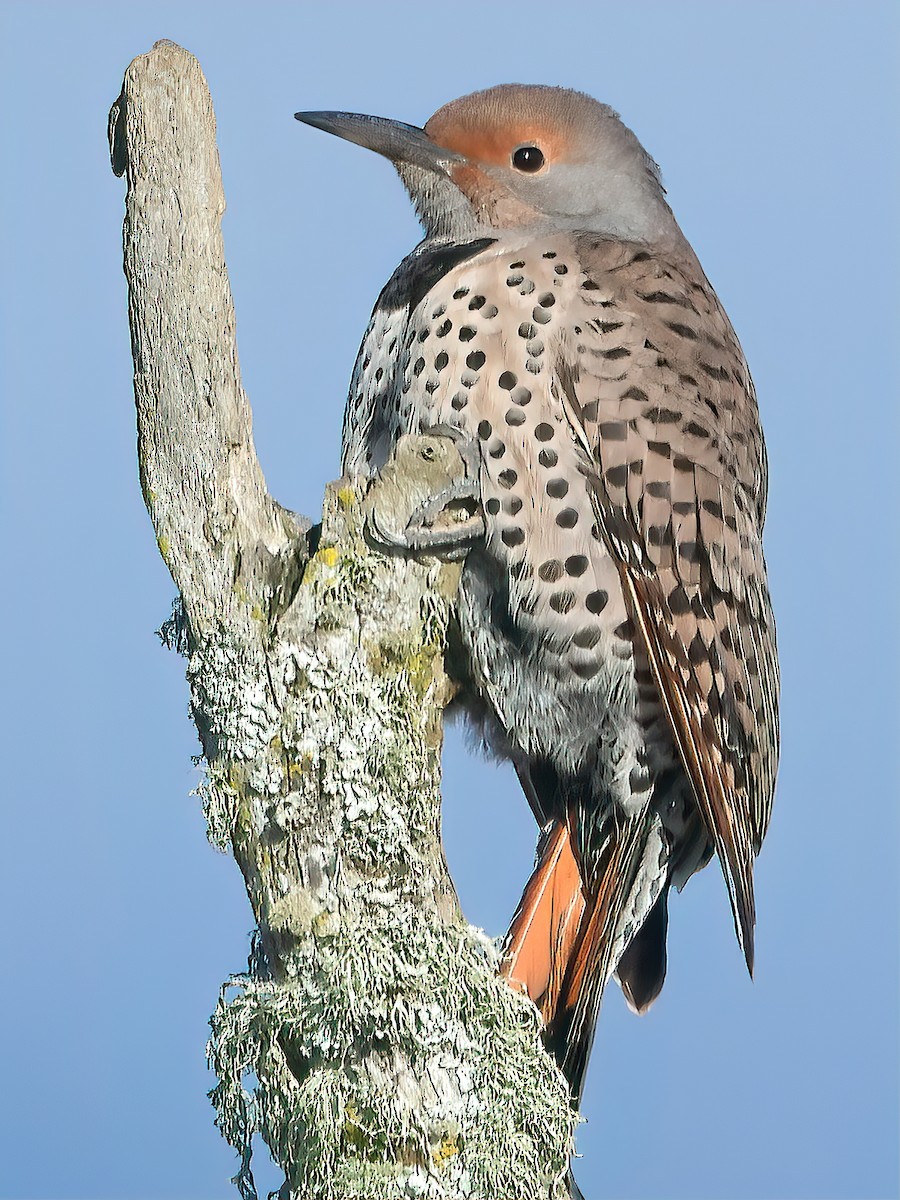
column 396, row 141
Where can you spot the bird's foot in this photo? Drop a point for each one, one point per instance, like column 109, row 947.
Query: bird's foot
column 426, row 499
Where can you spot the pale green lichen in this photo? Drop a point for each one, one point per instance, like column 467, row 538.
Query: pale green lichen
column 386, row 1061
column 335, row 1131
column 433, row 1001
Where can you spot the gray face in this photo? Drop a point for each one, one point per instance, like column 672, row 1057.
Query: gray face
column 462, row 177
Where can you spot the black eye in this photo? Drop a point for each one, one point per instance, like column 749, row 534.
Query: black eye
column 528, row 158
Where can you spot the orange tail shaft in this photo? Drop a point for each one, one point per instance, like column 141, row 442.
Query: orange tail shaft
column 562, row 945
column 545, row 928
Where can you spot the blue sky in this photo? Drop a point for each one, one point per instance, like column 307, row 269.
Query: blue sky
column 775, row 126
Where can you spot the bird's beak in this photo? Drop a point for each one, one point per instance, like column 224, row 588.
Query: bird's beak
column 402, row 144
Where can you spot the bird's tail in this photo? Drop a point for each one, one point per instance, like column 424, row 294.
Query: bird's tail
column 544, row 930
column 565, row 942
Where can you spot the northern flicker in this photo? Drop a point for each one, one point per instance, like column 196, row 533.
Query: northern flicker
column 615, row 618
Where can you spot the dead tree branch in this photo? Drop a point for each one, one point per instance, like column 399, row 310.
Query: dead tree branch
column 387, row 1059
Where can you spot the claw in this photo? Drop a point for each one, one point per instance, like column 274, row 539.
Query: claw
column 426, row 499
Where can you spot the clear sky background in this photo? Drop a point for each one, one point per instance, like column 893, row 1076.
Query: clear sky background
column 775, row 126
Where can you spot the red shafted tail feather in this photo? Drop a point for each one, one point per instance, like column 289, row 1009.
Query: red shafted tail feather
column 560, row 944
column 545, row 928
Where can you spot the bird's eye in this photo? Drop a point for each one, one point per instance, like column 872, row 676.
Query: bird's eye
column 528, row 159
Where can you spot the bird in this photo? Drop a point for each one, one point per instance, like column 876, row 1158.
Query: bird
column 615, row 626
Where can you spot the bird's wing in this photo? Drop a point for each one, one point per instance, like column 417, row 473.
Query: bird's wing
column 656, row 389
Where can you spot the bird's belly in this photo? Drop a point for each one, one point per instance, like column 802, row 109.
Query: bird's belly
column 586, row 703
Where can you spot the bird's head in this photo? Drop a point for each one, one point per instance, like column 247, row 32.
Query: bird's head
column 519, row 157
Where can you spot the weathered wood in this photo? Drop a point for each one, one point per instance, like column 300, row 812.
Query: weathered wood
column 388, row 1059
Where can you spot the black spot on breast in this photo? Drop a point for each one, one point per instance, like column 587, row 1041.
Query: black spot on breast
column 562, row 602
column 475, row 303
column 466, row 333
column 441, row 361
column 444, row 328
column 587, row 637
column 548, row 458
column 576, row 565
column 520, row 396
column 515, row 417
column 507, row 381
column 595, row 602
column 475, row 360
column 492, row 506
column 543, row 432
column 485, row 430
column 567, row 518
column 513, row 537
column 551, row 570
column 508, row 478
column 585, row 670
column 557, row 488
column 639, row 779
